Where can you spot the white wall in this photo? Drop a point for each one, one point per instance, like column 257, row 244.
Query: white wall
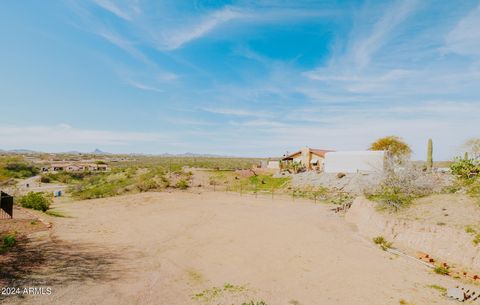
column 354, row 161
column 273, row 164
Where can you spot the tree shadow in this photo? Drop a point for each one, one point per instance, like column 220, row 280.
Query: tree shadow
column 56, row 262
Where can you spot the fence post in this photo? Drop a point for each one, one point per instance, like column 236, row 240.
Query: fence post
column 255, row 191
column 315, row 198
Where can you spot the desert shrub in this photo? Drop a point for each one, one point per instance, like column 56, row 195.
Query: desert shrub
column 182, row 184
column 467, row 172
column 70, row 177
column 55, row 213
column 100, row 188
column 401, row 185
column 212, row 294
column 340, row 198
column 36, row 201
column 15, row 167
column 45, row 179
column 382, row 242
column 441, row 270
column 475, row 233
column 147, row 185
column 441, row 289
column 8, row 241
column 466, row 168
column 392, row 198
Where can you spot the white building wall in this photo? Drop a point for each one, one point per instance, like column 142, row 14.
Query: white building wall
column 354, row 161
column 273, row 164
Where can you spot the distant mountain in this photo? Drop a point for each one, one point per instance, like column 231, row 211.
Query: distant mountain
column 189, row 154
column 72, row 152
column 100, row 152
column 21, row 151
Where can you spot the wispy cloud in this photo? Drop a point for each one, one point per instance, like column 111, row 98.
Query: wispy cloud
column 63, row 134
column 364, row 49
column 124, row 13
column 464, row 39
column 142, row 86
column 122, row 43
column 177, row 38
column 236, row 112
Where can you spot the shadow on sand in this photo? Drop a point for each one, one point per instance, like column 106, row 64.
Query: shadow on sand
column 56, row 263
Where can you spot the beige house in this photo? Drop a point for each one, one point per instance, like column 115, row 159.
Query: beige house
column 310, row 158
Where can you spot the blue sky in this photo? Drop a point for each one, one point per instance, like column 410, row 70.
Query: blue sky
column 246, row 78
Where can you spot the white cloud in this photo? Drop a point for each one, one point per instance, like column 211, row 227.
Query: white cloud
column 63, row 134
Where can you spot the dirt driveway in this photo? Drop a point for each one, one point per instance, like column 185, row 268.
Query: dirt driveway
column 214, row 248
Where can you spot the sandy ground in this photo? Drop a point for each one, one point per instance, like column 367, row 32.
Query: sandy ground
column 454, row 210
column 163, row 248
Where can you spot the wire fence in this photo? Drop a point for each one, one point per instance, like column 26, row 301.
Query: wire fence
column 315, row 195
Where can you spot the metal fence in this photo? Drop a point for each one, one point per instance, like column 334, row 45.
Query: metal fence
column 6, row 206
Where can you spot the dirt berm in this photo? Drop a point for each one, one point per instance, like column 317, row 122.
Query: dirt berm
column 449, row 244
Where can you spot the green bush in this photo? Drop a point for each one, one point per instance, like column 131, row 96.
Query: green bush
column 382, row 242
column 45, row 179
column 441, row 270
column 16, row 168
column 392, row 198
column 9, row 241
column 147, row 185
column 36, row 201
column 182, row 184
column 475, row 233
column 466, row 168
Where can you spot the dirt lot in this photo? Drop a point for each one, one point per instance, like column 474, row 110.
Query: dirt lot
column 165, row 248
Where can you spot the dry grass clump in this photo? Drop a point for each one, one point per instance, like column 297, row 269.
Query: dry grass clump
column 402, row 184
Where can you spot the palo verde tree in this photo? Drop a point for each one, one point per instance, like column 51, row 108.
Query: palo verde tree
column 395, row 146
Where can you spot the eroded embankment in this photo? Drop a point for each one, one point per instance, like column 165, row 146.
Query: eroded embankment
column 446, row 243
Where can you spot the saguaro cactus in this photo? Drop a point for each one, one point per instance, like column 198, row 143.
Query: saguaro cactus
column 430, row 154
